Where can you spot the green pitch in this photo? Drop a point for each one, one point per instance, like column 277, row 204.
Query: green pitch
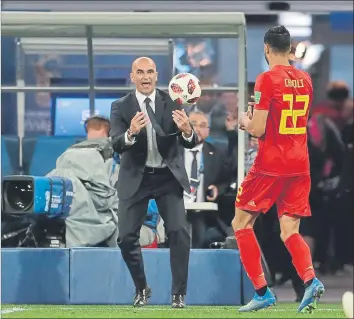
column 93, row 311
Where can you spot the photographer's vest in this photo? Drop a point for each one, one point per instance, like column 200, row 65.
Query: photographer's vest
column 103, row 145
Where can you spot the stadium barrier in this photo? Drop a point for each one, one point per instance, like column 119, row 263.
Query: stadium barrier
column 100, row 276
column 35, row 276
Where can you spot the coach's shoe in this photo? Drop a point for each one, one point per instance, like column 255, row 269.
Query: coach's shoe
column 312, row 294
column 260, row 302
column 178, row 301
column 141, row 297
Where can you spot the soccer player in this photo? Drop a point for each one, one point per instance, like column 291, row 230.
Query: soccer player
column 280, row 173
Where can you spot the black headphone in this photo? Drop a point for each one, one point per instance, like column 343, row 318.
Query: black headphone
column 96, row 117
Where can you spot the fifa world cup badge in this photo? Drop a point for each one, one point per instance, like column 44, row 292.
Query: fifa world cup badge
column 257, row 97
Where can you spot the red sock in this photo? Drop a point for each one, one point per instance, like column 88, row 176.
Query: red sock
column 250, row 255
column 301, row 256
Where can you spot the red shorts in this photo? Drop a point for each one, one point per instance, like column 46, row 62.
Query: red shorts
column 259, row 192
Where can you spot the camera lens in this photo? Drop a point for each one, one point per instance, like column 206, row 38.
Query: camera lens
column 18, row 195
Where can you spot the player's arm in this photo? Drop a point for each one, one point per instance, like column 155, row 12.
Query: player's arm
column 256, row 124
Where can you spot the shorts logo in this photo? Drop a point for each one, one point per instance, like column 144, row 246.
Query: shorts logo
column 252, row 203
column 257, row 97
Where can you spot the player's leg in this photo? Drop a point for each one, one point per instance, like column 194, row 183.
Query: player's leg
column 293, row 204
column 306, row 231
column 297, row 246
column 256, row 194
column 250, row 252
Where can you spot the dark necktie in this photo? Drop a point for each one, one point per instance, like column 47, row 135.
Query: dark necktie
column 156, row 126
column 194, row 171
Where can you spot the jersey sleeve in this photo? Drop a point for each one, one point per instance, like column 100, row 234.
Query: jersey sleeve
column 263, row 92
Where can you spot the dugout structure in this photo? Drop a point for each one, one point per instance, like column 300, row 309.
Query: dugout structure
column 91, row 25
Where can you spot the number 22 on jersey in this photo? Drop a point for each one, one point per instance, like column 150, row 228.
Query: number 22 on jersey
column 303, row 100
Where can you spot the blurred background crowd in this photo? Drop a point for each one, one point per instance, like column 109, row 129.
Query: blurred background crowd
column 322, row 45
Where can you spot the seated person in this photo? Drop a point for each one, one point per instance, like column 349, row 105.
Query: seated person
column 208, row 170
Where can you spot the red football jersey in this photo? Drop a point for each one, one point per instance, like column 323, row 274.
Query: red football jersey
column 286, row 93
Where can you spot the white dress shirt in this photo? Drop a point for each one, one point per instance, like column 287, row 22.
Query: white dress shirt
column 154, row 158
column 188, row 159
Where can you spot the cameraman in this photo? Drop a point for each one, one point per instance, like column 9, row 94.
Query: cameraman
column 93, row 217
column 97, row 127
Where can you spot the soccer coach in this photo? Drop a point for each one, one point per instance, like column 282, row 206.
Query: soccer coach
column 148, row 129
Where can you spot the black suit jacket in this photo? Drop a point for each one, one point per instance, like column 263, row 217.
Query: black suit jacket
column 216, row 168
column 133, row 157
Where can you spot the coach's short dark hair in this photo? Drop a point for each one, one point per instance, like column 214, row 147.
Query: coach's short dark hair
column 278, row 38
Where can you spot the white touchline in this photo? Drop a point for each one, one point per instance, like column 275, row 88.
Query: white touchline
column 150, row 308
column 5, row 311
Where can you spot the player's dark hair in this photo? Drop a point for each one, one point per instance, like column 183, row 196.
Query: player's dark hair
column 278, row 38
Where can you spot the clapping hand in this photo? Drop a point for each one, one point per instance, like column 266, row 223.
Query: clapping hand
column 182, row 121
column 246, row 116
column 138, row 122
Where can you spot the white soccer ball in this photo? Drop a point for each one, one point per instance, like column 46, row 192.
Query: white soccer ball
column 184, row 89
